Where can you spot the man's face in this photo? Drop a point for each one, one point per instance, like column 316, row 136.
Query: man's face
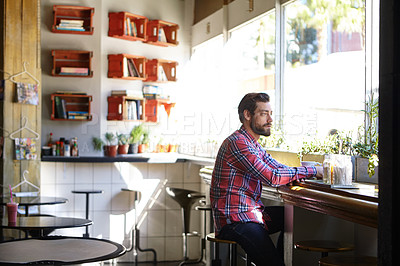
column 261, row 120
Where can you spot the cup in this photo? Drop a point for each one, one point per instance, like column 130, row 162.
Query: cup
column 12, row 209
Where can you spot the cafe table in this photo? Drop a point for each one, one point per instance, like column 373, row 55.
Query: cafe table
column 42, row 223
column 58, row 250
column 34, row 201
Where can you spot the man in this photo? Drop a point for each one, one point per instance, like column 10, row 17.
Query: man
column 241, row 168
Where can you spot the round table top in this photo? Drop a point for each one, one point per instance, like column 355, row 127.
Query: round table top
column 88, row 191
column 45, row 222
column 58, row 250
column 32, row 201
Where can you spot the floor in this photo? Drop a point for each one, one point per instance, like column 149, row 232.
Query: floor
column 169, row 263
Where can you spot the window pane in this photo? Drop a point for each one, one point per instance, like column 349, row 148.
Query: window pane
column 324, row 71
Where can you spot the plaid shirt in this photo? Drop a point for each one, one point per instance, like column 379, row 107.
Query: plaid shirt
column 241, row 167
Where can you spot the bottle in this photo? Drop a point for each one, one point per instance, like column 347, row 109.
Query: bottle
column 74, row 150
column 57, row 148
column 50, row 140
column 62, row 146
column 67, row 149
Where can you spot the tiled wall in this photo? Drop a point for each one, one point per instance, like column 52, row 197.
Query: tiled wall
column 112, row 213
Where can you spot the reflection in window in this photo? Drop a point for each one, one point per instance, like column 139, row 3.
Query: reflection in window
column 324, row 68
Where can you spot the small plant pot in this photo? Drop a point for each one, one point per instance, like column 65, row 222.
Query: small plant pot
column 110, row 151
column 123, row 149
column 142, row 148
column 133, row 148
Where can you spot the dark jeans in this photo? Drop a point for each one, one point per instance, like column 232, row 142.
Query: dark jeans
column 255, row 239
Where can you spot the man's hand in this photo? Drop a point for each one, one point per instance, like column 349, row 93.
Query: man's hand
column 320, row 172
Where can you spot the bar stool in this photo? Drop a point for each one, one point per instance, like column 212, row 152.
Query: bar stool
column 135, row 244
column 204, row 208
column 232, row 250
column 87, row 192
column 348, row 261
column 185, row 198
column 323, row 246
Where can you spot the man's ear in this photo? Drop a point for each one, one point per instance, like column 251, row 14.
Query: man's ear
column 247, row 115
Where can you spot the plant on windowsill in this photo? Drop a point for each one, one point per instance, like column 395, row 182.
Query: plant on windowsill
column 144, row 143
column 367, row 146
column 123, row 144
column 111, row 148
column 98, row 143
column 134, row 139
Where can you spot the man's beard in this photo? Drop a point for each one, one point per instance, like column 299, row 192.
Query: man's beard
column 260, row 130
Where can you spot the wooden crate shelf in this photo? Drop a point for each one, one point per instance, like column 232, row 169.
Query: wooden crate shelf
column 70, row 107
column 125, row 66
column 127, row 26
column 126, row 108
column 160, row 70
column 73, row 61
column 153, row 107
column 162, row 33
column 73, row 14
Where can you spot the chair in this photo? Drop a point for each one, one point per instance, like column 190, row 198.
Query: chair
column 87, row 192
column 348, row 260
column 232, row 251
column 135, row 244
column 323, row 246
column 185, row 198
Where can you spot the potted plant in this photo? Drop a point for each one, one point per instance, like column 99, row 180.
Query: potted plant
column 144, row 143
column 123, row 144
column 98, row 143
column 135, row 136
column 366, row 148
column 111, row 148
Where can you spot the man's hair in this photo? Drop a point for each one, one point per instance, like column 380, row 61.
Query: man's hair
column 249, row 102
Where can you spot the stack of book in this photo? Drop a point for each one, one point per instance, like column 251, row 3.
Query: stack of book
column 71, row 24
column 130, row 28
column 154, row 92
column 78, row 115
column 126, row 93
column 74, row 71
column 130, row 69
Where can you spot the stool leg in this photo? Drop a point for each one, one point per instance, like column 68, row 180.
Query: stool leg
column 216, row 261
column 87, row 215
column 324, row 254
column 232, row 254
column 248, row 261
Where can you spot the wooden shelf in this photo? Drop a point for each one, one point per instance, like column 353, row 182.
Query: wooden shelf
column 160, row 70
column 152, row 108
column 126, row 108
column 125, row 66
column 73, row 13
column 73, row 60
column 162, row 33
column 71, row 107
column 127, row 26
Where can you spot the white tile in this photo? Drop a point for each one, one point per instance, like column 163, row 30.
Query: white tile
column 156, row 223
column 64, row 191
column 143, row 168
column 157, row 243
column 120, row 173
column 174, row 225
column 175, row 172
column 47, row 173
column 157, row 171
column 194, row 247
column 101, row 225
column 65, row 173
column 175, row 253
column 157, row 198
column 120, row 200
column 191, row 173
column 102, row 173
column 83, row 173
column 102, row 202
column 47, row 189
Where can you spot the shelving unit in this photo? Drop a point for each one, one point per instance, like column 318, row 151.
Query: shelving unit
column 127, row 26
column 71, row 107
column 126, row 108
column 160, row 70
column 162, row 33
column 153, row 106
column 73, row 13
column 73, row 61
column 124, row 66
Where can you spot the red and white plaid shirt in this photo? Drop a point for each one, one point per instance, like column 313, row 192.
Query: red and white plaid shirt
column 241, row 167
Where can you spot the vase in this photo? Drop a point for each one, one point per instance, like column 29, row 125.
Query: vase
column 361, row 171
column 111, row 150
column 123, row 149
column 133, row 148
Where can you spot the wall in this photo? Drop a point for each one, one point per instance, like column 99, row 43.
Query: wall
column 112, row 212
column 99, row 85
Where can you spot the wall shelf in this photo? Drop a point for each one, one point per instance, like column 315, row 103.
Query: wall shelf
column 124, row 66
column 71, row 63
column 73, row 19
column 126, row 108
column 160, row 70
column 71, row 107
column 127, row 26
column 162, row 33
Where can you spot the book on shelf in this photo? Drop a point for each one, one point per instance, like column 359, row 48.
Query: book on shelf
column 161, row 74
column 60, row 107
column 71, row 92
column 132, row 68
column 74, row 70
column 133, row 28
column 161, row 35
column 78, row 22
column 125, row 71
column 82, row 113
column 154, row 96
column 128, row 27
column 134, row 109
column 134, row 93
column 73, row 74
column 69, row 28
column 79, row 117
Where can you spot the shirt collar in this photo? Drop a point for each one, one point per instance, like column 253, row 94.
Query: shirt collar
column 247, row 134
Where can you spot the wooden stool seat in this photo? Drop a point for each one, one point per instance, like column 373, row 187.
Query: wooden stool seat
column 211, row 237
column 323, row 246
column 348, row 261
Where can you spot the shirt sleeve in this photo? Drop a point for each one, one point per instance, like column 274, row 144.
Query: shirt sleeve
column 245, row 157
